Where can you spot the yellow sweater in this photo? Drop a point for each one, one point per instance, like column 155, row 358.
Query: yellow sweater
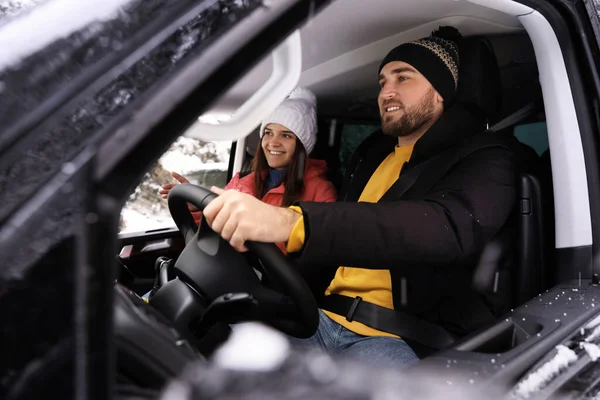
column 373, row 285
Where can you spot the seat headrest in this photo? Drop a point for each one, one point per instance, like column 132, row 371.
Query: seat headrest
column 480, row 83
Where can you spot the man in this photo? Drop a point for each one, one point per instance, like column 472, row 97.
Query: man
column 421, row 201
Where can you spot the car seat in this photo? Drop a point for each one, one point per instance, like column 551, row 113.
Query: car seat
column 518, row 271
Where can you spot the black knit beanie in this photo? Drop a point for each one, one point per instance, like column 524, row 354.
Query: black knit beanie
column 435, row 57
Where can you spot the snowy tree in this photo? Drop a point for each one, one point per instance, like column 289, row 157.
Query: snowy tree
column 201, row 162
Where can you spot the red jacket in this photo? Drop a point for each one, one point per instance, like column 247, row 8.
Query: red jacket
column 316, row 188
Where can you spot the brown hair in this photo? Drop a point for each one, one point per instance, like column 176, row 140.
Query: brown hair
column 293, row 180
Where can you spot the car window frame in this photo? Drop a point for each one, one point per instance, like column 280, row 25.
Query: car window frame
column 101, row 175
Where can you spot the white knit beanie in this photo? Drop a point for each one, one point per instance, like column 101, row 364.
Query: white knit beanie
column 297, row 113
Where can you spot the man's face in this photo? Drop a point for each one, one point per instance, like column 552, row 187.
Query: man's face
column 407, row 101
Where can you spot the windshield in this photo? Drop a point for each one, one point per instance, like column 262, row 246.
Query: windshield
column 55, row 49
column 40, row 82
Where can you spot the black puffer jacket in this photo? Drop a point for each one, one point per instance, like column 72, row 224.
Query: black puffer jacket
column 453, row 196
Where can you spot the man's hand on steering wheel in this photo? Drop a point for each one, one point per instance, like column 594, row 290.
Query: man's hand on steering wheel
column 214, row 268
column 239, row 217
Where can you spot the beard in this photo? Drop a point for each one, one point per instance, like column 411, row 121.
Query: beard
column 412, row 119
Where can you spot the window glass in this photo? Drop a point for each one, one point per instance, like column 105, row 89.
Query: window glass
column 202, row 163
column 534, row 135
column 352, row 136
column 50, row 59
column 40, row 80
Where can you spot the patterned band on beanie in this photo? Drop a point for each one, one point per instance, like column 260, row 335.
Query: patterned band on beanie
column 442, row 51
column 436, row 57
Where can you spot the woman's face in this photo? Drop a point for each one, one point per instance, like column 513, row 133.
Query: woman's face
column 279, row 144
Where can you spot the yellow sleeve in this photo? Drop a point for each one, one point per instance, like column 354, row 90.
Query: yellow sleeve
column 296, row 239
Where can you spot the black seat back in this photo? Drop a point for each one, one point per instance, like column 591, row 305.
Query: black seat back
column 532, row 226
column 529, row 274
column 513, row 265
column 529, row 268
column 480, row 85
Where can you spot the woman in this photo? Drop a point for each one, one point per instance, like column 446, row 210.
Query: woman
column 282, row 172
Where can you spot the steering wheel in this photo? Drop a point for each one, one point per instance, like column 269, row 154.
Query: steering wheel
column 213, row 268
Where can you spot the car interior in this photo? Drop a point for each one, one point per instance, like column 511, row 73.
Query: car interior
column 341, row 49
column 513, row 74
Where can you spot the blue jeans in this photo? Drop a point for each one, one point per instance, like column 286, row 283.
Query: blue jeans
column 376, row 351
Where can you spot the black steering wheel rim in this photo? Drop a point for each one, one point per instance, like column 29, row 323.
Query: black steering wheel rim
column 306, row 321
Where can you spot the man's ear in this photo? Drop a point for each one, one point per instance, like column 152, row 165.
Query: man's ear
column 438, row 97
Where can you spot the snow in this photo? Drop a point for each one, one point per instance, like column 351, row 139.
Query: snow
column 214, row 118
column 595, row 334
column 14, row 7
column 137, row 222
column 253, row 347
column 184, row 164
column 563, row 358
column 49, row 22
column 591, row 349
column 184, row 157
column 177, row 391
column 536, row 380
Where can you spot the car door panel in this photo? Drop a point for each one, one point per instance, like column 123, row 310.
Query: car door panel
column 139, row 251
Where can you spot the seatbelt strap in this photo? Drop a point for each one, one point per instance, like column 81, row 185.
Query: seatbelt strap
column 392, row 321
column 515, row 117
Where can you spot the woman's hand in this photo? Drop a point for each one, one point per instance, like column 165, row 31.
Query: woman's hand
column 164, row 192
